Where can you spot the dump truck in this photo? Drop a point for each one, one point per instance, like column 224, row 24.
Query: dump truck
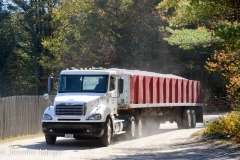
column 102, row 103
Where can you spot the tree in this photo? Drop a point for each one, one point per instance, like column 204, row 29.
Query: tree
column 23, row 26
column 104, row 33
column 31, row 21
column 7, row 44
column 208, row 23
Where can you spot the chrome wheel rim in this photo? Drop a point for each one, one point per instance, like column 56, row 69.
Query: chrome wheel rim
column 109, row 131
column 140, row 127
column 189, row 118
column 193, row 118
column 133, row 128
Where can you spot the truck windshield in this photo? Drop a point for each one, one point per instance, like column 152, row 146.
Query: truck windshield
column 83, row 83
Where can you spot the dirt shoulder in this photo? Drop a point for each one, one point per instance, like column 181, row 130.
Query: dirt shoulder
column 30, row 136
column 214, row 148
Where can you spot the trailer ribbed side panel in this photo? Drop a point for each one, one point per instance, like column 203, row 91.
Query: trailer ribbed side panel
column 179, row 91
column 140, row 89
column 148, row 89
column 173, row 95
column 133, row 89
column 194, row 90
column 161, row 89
column 184, row 91
column 155, row 89
column 189, row 91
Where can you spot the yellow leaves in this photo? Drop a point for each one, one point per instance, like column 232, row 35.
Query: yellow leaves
column 228, row 63
column 226, row 125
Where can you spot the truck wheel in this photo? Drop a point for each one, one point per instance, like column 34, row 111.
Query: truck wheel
column 107, row 135
column 132, row 128
column 50, row 139
column 139, row 128
column 193, row 115
column 187, row 119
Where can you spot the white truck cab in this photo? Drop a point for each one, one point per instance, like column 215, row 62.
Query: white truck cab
column 84, row 106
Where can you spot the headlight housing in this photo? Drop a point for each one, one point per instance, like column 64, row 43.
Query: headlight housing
column 46, row 117
column 95, row 117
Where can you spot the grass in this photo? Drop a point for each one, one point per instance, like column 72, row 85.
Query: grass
column 198, row 133
column 20, row 137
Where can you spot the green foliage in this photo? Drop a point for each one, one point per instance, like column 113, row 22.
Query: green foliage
column 51, row 35
column 199, row 12
column 7, row 43
column 214, row 127
column 198, row 133
column 102, row 33
column 25, row 26
column 228, row 125
column 219, row 21
column 191, row 38
column 230, row 33
column 42, row 37
column 71, row 23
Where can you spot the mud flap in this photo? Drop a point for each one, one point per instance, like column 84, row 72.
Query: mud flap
column 199, row 114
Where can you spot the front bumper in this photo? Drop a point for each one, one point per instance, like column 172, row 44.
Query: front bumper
column 77, row 129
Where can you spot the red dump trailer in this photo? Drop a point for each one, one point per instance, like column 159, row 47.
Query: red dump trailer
column 155, row 97
column 102, row 103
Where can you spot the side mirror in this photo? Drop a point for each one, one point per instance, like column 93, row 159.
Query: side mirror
column 50, row 84
column 120, row 86
column 46, row 96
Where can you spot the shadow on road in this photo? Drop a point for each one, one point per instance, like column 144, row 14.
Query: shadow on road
column 63, row 144
column 189, row 150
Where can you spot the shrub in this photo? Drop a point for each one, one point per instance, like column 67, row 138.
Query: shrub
column 228, row 125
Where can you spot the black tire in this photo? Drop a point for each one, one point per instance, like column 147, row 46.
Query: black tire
column 105, row 140
column 131, row 131
column 139, row 128
column 187, row 119
column 50, row 139
column 193, row 116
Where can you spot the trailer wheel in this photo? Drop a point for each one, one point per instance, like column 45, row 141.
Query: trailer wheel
column 187, row 119
column 193, row 115
column 139, row 128
column 132, row 128
column 107, row 135
column 50, row 139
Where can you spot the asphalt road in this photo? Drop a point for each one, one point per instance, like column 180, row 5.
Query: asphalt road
column 167, row 143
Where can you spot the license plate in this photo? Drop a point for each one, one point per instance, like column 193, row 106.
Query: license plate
column 68, row 135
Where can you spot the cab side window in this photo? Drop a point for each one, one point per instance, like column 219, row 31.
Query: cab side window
column 112, row 83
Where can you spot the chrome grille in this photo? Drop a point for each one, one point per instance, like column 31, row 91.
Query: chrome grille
column 69, row 110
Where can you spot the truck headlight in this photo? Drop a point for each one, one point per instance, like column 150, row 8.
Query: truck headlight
column 94, row 117
column 46, row 117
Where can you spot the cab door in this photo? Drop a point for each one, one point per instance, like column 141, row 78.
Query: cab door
column 113, row 93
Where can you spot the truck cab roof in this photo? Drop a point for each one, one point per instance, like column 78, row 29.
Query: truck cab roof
column 87, row 72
